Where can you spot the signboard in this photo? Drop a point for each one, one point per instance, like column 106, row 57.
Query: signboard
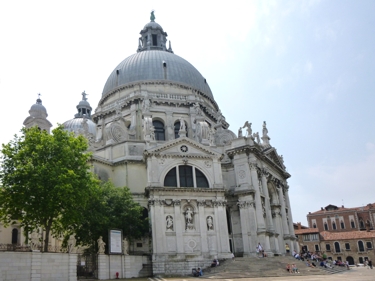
column 115, row 241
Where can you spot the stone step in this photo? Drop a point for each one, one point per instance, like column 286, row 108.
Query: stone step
column 261, row 267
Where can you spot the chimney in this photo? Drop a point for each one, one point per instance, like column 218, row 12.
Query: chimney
column 321, row 208
column 342, row 206
column 299, row 226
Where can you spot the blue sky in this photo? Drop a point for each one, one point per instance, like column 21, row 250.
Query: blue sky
column 305, row 67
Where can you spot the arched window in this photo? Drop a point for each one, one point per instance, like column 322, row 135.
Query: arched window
column 361, row 247
column 342, row 225
column 337, row 247
column 177, row 129
column 325, row 226
column 368, row 245
column 159, row 130
column 185, row 176
column 328, row 247
column 334, row 226
column 361, row 224
column 352, row 224
column 15, row 236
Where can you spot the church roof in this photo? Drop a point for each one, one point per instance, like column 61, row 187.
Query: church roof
column 155, row 62
column 156, row 65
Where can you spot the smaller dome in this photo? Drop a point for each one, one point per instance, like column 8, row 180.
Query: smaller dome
column 77, row 125
column 38, row 110
column 84, row 103
column 152, row 25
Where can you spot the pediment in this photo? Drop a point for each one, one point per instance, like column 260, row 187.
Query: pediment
column 275, row 157
column 182, row 147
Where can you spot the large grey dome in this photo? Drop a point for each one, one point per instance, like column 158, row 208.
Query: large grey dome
column 148, row 66
column 38, row 110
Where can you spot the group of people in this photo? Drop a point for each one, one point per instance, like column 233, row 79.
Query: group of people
column 197, row 272
column 260, row 251
column 292, row 268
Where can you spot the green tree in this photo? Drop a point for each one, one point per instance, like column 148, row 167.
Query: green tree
column 111, row 208
column 46, row 181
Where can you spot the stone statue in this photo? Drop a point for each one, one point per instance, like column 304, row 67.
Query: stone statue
column 152, row 133
column 182, row 125
column 152, row 17
column 248, row 129
column 210, row 223
column 169, row 223
column 118, row 109
column 189, row 218
column 84, row 95
column 240, row 132
column 265, row 131
column 198, row 109
column 146, row 105
column 71, row 244
column 256, row 136
column 125, row 246
column 35, row 243
column 101, row 245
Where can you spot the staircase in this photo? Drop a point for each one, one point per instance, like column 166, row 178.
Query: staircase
column 263, row 267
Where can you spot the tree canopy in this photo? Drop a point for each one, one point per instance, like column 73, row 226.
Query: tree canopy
column 46, row 181
column 111, row 208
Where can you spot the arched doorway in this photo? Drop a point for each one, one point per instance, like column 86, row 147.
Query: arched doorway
column 350, row 260
column 14, row 236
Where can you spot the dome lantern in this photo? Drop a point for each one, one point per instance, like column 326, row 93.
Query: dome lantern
column 153, row 37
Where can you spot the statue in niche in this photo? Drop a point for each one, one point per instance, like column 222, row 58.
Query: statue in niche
column 125, row 246
column 249, row 131
column 198, row 110
column 146, row 105
column 101, row 245
column 210, row 223
column 263, row 209
column 169, row 223
column 182, row 125
column 240, row 132
column 189, row 218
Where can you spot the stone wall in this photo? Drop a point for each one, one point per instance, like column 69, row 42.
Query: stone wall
column 36, row 266
column 127, row 266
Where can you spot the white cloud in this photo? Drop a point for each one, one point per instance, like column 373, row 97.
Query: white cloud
column 308, row 67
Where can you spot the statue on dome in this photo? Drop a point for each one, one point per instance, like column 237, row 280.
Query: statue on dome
column 249, row 131
column 265, row 131
column 152, row 17
column 84, row 95
column 256, row 136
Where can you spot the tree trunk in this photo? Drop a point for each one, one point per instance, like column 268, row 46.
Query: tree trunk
column 46, row 239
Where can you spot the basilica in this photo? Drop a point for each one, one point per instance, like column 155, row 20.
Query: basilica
column 208, row 192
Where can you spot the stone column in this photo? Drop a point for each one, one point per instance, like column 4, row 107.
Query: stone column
column 248, row 220
column 221, row 228
column 269, row 222
column 180, row 226
column 279, row 240
column 151, row 204
column 290, row 217
column 261, row 226
column 286, row 236
column 203, row 227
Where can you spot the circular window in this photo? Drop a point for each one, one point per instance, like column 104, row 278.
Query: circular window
column 184, row 148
